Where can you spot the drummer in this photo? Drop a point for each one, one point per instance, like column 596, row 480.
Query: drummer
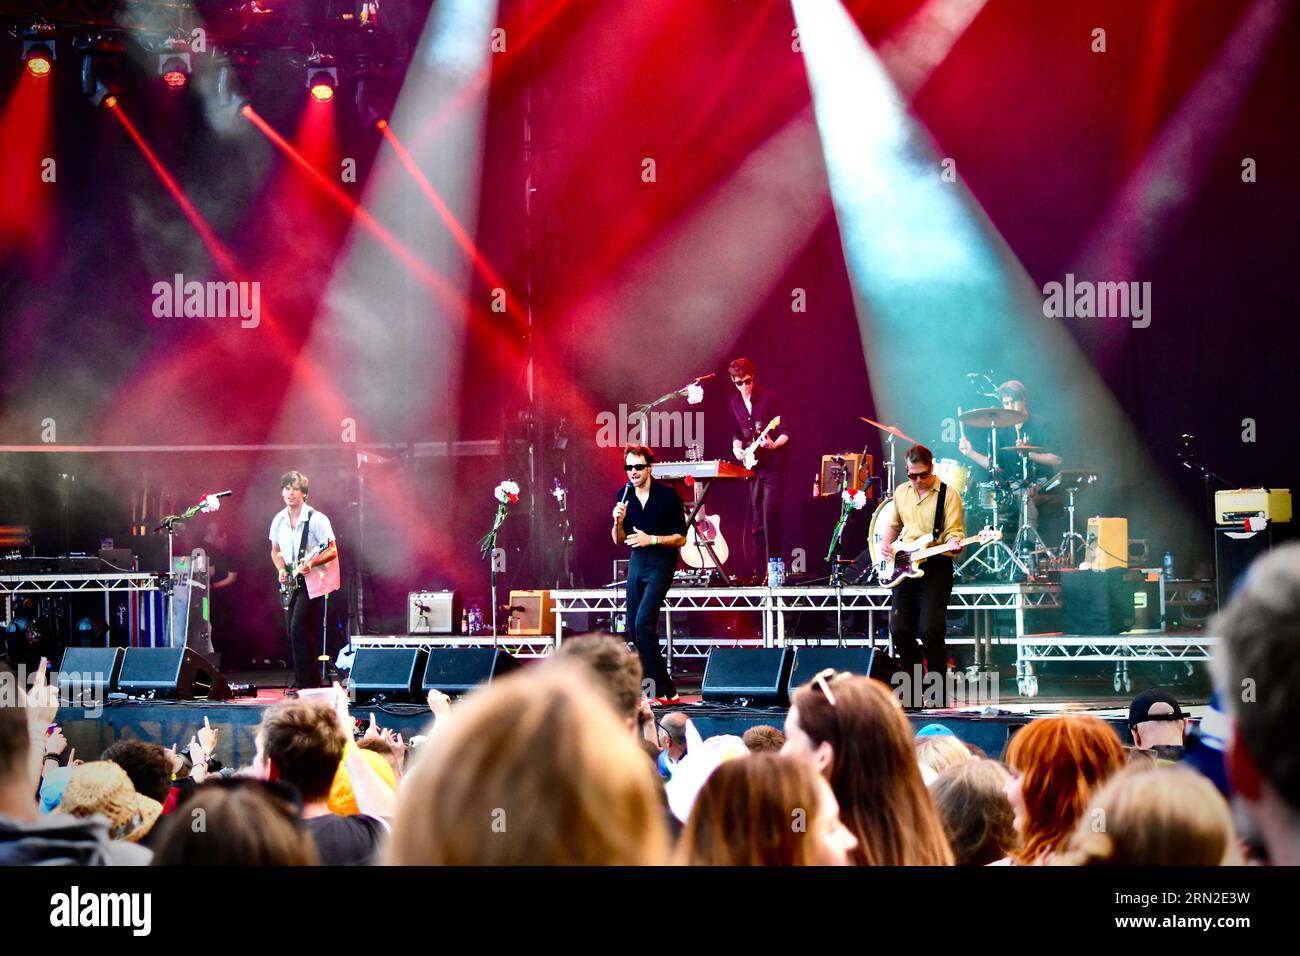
column 1033, row 431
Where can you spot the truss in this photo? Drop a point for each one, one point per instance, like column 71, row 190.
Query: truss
column 73, row 583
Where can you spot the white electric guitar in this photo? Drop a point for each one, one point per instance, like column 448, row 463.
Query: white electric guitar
column 905, row 560
column 750, row 455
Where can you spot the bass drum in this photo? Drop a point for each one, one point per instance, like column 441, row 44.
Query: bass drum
column 876, row 534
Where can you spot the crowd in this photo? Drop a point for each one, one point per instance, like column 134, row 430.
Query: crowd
column 566, row 763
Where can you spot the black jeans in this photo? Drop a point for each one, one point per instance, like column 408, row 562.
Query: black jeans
column 766, row 495
column 649, row 576
column 921, row 611
column 305, row 621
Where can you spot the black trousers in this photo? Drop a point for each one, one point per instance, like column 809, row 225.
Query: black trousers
column 766, row 496
column 920, row 611
column 305, row 621
column 649, row 576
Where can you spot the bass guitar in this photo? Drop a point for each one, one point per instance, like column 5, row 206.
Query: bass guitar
column 905, row 559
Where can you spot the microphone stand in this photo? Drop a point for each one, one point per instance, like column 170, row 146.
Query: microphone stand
column 170, row 524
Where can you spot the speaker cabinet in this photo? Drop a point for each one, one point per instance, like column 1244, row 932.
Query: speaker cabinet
column 88, row 675
column 433, row 612
column 1234, row 550
column 866, row 661
column 537, row 616
column 1107, row 543
column 758, row 676
column 176, row 673
column 391, row 672
column 1096, row 603
column 457, row 670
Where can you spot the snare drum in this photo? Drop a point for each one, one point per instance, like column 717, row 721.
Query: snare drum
column 953, row 474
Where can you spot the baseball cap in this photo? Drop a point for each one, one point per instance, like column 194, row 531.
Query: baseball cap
column 1140, row 710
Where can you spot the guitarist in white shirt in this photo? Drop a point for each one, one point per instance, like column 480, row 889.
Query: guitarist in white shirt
column 752, row 408
column 304, row 618
column 921, row 604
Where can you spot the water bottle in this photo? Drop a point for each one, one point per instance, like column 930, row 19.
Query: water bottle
column 771, row 573
column 780, row 572
column 1169, row 565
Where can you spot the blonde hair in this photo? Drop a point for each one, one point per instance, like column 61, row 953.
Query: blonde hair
column 534, row 770
column 1159, row 816
column 938, row 752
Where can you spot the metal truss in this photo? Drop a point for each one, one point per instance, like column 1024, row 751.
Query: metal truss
column 513, row 644
column 72, row 583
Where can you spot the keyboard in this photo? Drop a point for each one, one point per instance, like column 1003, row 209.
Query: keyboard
column 679, row 470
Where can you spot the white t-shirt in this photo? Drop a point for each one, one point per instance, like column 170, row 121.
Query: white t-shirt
column 289, row 538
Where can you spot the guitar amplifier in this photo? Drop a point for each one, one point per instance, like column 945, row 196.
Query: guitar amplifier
column 847, row 470
column 1236, row 505
column 538, row 614
column 433, row 612
column 1107, row 543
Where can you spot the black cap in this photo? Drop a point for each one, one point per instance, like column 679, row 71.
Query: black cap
column 1140, row 710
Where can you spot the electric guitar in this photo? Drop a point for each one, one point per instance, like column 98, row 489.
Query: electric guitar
column 289, row 588
column 750, row 455
column 905, row 561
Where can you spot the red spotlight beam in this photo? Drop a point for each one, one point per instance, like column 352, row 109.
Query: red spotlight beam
column 421, row 269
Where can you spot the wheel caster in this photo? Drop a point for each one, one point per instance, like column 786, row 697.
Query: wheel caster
column 1031, row 687
column 1128, row 684
column 1118, row 682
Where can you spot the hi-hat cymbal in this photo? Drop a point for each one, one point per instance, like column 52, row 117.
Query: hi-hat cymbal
column 994, row 417
column 891, row 429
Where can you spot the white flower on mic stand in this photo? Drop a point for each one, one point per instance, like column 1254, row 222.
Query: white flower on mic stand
column 694, row 393
column 854, row 497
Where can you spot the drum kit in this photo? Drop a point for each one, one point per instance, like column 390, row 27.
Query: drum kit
column 1004, row 502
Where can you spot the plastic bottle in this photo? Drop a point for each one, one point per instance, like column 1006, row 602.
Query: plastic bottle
column 1169, row 565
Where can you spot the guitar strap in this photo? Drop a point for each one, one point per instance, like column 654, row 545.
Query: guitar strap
column 938, row 512
column 302, row 544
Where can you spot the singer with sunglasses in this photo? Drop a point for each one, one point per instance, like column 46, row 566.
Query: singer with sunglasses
column 752, row 407
column 924, row 505
column 649, row 518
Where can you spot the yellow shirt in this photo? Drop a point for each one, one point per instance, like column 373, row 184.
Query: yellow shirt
column 914, row 515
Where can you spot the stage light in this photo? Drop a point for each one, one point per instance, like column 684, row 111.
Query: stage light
column 39, row 59
column 99, row 70
column 174, row 68
column 322, row 78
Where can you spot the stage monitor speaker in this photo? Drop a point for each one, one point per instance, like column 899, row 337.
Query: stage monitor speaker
column 866, row 661
column 538, row 614
column 1096, row 603
column 391, row 672
column 176, row 673
column 433, row 612
column 1107, row 545
column 89, row 674
column 757, row 676
column 1234, row 550
column 458, row 670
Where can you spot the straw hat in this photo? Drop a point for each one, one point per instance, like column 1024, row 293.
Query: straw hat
column 102, row 787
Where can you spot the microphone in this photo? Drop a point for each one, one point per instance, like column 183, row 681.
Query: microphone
column 222, row 494
column 626, row 489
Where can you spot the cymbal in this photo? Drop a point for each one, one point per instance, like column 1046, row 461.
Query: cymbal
column 1025, row 449
column 891, row 429
column 994, row 417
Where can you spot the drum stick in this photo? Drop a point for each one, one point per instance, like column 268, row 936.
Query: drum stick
column 961, row 429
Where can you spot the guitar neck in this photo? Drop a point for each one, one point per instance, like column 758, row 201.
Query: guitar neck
column 940, row 548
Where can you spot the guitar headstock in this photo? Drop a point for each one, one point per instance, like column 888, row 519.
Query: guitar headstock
column 989, row 535
column 774, row 423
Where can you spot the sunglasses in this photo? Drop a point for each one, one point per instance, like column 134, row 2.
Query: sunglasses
column 635, row 467
column 823, row 680
column 919, row 476
column 742, row 381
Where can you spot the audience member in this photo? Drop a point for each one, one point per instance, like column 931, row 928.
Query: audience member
column 766, row 810
column 970, row 797
column 102, row 788
column 535, row 769
column 1162, row 816
column 935, row 753
column 672, row 742
column 763, row 739
column 1257, row 669
column 1158, row 724
column 26, row 836
column 1056, row 763
column 246, row 822
column 302, row 743
column 852, row 731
